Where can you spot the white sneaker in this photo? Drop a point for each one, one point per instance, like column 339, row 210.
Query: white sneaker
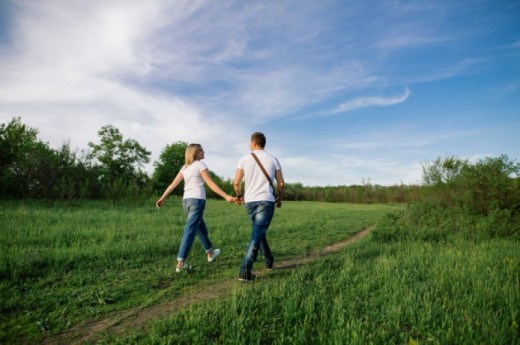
column 185, row 266
column 216, row 253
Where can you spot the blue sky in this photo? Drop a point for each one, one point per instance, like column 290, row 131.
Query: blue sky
column 346, row 91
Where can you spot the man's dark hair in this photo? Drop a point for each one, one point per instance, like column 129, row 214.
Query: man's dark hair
column 259, row 139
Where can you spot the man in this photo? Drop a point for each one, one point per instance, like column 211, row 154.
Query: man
column 259, row 200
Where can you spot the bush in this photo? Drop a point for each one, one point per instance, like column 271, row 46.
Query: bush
column 490, row 184
column 472, row 201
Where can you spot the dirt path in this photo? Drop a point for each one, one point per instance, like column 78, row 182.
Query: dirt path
column 138, row 318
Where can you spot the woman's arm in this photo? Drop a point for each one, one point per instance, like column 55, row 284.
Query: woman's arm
column 214, row 187
column 169, row 189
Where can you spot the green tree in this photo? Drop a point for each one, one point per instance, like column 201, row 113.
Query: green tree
column 441, row 179
column 170, row 162
column 120, row 162
column 76, row 177
column 491, row 183
column 442, row 171
column 21, row 155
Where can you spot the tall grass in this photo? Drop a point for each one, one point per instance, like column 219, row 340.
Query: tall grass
column 402, row 293
column 64, row 263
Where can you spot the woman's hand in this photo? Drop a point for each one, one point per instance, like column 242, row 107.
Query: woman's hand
column 159, row 203
column 230, row 199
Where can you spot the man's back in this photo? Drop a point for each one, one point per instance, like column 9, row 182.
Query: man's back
column 257, row 187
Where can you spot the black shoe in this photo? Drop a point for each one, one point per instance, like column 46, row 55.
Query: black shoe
column 249, row 277
column 269, row 263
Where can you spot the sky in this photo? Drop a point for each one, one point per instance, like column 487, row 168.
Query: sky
column 346, row 92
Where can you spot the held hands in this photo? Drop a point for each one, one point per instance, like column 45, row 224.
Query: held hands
column 278, row 202
column 239, row 200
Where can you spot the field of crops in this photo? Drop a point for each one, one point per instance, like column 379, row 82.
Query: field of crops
column 95, row 272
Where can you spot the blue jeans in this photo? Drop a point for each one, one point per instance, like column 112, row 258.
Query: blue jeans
column 261, row 213
column 195, row 225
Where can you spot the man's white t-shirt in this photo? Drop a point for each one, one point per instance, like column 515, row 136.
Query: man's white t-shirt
column 193, row 181
column 257, row 186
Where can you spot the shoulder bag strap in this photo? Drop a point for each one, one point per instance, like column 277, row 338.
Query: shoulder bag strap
column 263, row 170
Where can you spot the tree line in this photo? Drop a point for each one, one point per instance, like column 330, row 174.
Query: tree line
column 113, row 168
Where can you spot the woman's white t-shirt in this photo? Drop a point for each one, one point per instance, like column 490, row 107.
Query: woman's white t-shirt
column 193, row 181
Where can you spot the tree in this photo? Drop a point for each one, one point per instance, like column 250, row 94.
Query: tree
column 76, row 178
column 442, row 171
column 170, row 162
column 441, row 177
column 491, row 183
column 21, row 155
column 120, row 162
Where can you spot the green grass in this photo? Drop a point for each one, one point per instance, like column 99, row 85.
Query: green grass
column 401, row 293
column 65, row 263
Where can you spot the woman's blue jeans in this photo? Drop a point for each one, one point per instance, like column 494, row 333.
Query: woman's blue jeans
column 195, row 225
column 261, row 213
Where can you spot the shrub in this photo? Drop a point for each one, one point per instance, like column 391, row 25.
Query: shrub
column 472, row 201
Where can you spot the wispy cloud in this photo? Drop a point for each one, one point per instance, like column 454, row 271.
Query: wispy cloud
column 364, row 102
column 72, row 69
column 516, row 44
column 408, row 40
column 456, row 68
column 163, row 70
column 351, row 169
column 393, row 139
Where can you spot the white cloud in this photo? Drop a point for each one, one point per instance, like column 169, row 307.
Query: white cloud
column 449, row 71
column 213, row 72
column 393, row 139
column 60, row 50
column 407, row 40
column 71, row 70
column 364, row 102
column 347, row 169
column 515, row 45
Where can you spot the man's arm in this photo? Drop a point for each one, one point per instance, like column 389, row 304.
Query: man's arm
column 281, row 187
column 237, row 184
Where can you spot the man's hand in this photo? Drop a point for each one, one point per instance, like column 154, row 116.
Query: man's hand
column 278, row 202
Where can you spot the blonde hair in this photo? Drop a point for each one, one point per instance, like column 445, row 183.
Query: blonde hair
column 191, row 153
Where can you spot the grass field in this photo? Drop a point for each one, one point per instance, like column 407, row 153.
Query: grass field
column 65, row 266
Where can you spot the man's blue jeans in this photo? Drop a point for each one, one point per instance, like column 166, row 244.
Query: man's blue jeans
column 195, row 225
column 261, row 213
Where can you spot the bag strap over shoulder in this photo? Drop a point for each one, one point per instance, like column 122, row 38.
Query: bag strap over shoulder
column 263, row 170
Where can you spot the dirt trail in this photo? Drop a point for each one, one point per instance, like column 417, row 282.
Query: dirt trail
column 138, row 318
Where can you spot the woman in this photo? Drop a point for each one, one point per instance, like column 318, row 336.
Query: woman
column 194, row 173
